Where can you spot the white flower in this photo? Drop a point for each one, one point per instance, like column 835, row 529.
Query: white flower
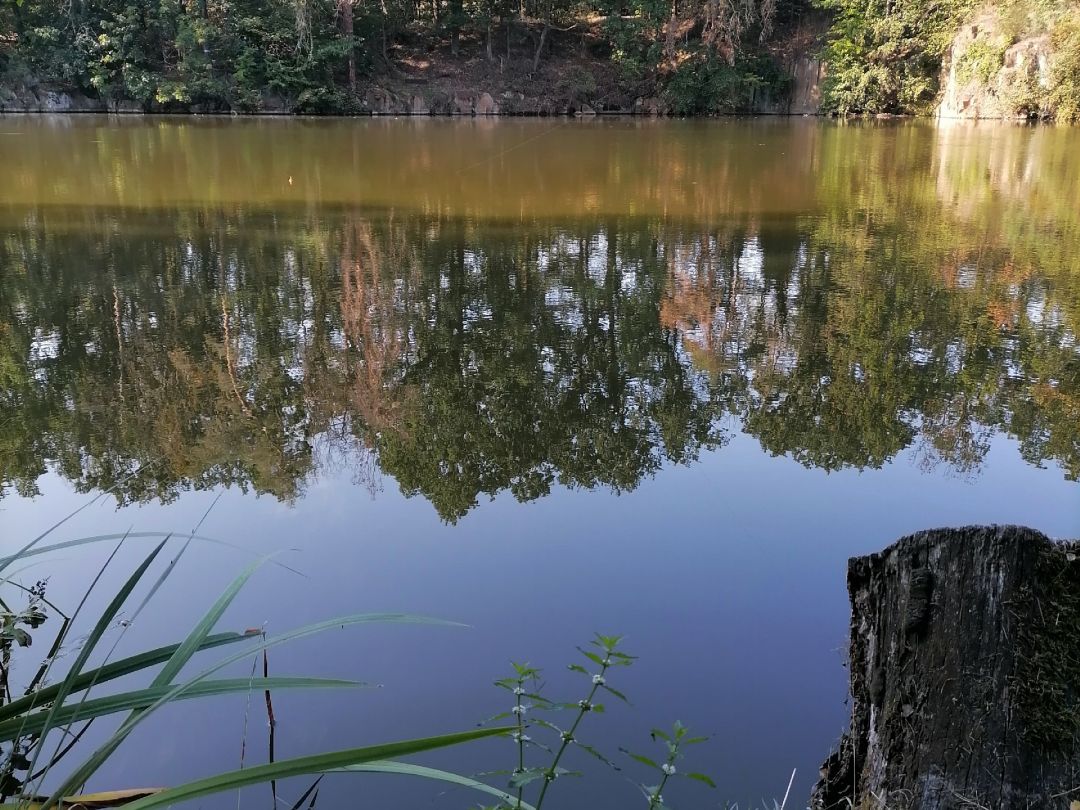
column 598, row 680
column 519, row 691
column 668, row 769
column 520, row 709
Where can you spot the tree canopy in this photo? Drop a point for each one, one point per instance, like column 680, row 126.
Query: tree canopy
column 700, row 56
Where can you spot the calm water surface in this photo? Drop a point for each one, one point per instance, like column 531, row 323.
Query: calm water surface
column 653, row 378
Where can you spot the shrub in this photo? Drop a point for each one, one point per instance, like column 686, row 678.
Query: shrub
column 706, row 84
column 1065, row 71
column 980, row 62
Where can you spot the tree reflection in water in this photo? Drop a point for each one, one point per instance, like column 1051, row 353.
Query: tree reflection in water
column 147, row 352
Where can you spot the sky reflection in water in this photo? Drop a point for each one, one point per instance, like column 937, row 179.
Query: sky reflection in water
column 654, row 379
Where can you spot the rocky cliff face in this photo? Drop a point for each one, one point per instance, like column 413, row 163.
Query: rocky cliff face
column 808, row 74
column 797, row 52
column 806, row 67
column 24, row 98
column 988, row 75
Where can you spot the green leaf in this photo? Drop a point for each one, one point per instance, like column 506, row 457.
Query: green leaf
column 649, row 790
column 21, row 637
column 590, row 750
column 578, row 668
column 117, row 669
column 616, row 693
column 701, row 778
column 423, row 772
column 183, row 653
column 201, row 631
column 496, row 717
column 103, row 623
column 29, row 550
column 607, row 643
column 591, row 656
column 644, row 760
column 140, row 698
column 86, row 770
column 527, row 776
column 298, row 766
column 539, row 745
column 596, row 659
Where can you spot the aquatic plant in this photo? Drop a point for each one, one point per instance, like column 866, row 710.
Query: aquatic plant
column 27, row 721
column 65, row 708
column 525, row 685
column 673, row 742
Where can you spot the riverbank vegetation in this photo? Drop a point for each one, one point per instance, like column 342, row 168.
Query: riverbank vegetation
column 887, row 56
column 47, row 759
column 319, row 55
column 682, row 56
column 44, row 718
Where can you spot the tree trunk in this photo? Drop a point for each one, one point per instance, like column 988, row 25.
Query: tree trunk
column 345, row 9
column 540, row 46
column 965, row 675
column 457, row 12
column 490, row 50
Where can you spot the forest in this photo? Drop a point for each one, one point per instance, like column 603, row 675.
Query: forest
column 684, row 56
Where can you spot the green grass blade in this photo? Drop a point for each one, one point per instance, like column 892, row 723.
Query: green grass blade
column 6, row 561
column 26, row 550
column 316, row 763
column 164, row 575
column 141, row 698
column 95, row 761
column 183, row 653
column 422, row 771
column 29, row 550
column 103, row 622
column 114, row 670
column 189, row 646
column 312, row 792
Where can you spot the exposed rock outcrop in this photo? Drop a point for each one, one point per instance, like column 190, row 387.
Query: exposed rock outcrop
column 801, row 56
column 27, row 98
column 986, row 75
column 965, row 675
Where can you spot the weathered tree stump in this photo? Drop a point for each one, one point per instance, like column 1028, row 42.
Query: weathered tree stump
column 965, row 675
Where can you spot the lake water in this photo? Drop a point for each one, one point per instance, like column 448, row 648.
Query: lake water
column 545, row 378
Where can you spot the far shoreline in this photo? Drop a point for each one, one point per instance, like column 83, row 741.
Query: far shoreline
column 535, row 116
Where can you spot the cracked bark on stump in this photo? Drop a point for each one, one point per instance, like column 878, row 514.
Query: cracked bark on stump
column 965, row 675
